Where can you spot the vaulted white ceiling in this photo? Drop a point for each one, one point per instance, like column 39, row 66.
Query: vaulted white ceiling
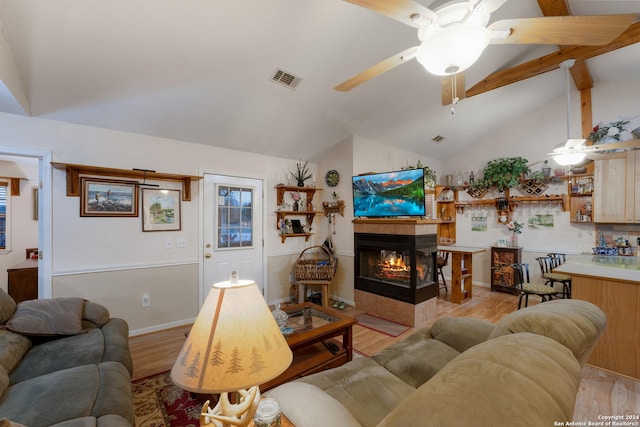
column 200, row 71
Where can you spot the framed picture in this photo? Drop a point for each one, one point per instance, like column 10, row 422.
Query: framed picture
column 160, row 210
column 104, row 197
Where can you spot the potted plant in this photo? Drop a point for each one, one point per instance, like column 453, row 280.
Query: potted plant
column 505, row 173
column 301, row 173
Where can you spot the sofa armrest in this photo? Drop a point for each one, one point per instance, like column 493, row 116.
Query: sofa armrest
column 306, row 405
column 95, row 313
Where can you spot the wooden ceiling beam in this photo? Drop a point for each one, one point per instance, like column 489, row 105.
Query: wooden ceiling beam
column 580, row 70
column 552, row 62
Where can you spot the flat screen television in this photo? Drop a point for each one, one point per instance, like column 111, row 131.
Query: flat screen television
column 389, row 194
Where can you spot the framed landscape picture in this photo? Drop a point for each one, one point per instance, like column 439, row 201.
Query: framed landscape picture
column 105, row 197
column 160, row 210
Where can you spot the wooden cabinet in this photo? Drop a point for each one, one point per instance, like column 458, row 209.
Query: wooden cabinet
column 614, row 198
column 446, row 198
column 502, row 278
column 580, row 190
column 23, row 280
column 304, row 208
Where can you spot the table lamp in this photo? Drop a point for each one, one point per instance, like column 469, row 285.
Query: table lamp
column 234, row 346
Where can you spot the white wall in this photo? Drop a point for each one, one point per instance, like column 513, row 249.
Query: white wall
column 93, row 256
column 533, row 136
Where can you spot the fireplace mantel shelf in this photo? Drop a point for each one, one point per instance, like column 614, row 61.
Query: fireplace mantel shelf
column 396, row 221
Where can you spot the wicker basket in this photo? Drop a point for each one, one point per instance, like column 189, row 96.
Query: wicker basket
column 316, row 263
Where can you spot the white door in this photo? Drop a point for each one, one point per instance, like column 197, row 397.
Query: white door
column 232, row 229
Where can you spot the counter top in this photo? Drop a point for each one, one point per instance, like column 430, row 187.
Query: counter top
column 613, row 267
column 461, row 249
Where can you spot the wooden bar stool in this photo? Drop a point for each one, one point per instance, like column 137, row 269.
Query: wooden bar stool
column 442, row 260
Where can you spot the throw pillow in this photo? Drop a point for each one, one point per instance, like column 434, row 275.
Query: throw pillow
column 48, row 317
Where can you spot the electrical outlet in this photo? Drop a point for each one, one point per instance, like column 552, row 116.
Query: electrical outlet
column 181, row 242
column 146, row 300
column 168, row 244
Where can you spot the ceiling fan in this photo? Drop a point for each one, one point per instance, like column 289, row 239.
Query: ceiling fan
column 454, row 35
column 574, row 151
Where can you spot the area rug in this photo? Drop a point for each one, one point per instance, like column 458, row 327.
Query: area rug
column 157, row 402
column 383, row 326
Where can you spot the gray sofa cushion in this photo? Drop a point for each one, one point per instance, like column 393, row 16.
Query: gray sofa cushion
column 13, row 347
column 416, row 359
column 82, row 391
column 109, row 343
column 516, row 380
column 57, row 316
column 7, row 306
column 365, row 388
column 573, row 323
column 461, row 333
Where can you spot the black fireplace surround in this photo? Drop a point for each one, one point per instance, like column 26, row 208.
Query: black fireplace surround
column 401, row 267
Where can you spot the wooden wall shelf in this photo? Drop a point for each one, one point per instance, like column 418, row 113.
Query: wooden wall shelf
column 561, row 199
column 74, row 172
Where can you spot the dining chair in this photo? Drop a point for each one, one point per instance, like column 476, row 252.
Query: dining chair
column 547, row 264
column 523, row 283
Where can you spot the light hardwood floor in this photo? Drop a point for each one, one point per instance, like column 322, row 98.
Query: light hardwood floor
column 601, row 392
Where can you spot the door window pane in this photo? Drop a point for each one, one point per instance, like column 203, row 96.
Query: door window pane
column 235, row 217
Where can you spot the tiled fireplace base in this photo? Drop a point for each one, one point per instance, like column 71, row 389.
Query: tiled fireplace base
column 396, row 311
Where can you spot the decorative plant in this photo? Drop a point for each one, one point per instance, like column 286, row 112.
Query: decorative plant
column 504, row 173
column 429, row 175
column 515, row 227
column 301, row 173
column 538, row 176
column 611, row 130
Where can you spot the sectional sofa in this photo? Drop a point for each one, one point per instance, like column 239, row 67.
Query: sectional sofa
column 63, row 362
column 523, row 371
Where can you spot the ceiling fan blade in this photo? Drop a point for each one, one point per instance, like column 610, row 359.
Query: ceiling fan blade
column 487, row 6
column 594, row 30
column 405, row 11
column 618, row 145
column 447, row 89
column 376, row 70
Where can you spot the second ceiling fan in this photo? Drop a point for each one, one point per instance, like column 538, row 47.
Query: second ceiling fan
column 453, row 36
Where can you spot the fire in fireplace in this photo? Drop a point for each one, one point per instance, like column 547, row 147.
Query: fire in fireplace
column 401, row 267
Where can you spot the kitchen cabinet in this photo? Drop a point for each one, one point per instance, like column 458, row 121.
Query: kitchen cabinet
column 303, row 207
column 446, row 198
column 615, row 181
column 580, row 189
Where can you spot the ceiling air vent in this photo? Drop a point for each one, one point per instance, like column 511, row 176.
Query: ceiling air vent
column 286, row 79
column 438, row 139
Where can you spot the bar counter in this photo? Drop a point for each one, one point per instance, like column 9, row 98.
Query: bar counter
column 613, row 284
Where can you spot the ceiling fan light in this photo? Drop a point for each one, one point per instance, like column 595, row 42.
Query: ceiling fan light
column 569, row 158
column 454, row 47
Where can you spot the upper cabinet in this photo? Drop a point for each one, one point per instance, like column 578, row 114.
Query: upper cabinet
column 616, row 179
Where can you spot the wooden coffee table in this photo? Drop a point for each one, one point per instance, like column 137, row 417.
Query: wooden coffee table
column 312, row 325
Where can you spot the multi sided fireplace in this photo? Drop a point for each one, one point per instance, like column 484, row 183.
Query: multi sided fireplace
column 401, row 267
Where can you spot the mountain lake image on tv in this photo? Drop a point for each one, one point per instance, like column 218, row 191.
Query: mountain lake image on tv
column 389, row 194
